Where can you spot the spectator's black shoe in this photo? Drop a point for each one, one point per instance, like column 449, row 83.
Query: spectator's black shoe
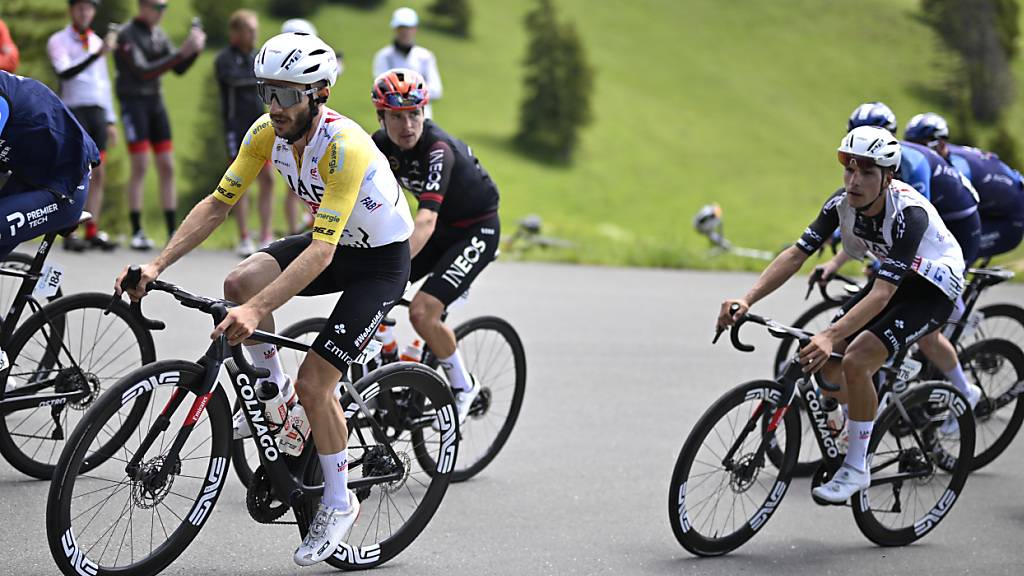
column 75, row 244
column 102, row 242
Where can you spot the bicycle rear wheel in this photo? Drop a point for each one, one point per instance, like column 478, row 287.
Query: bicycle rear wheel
column 724, row 488
column 117, row 521
column 997, row 367
column 491, row 351
column 10, row 285
column 71, row 345
column 402, row 397
column 910, row 493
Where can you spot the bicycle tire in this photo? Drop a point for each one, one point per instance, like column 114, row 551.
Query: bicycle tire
column 987, row 358
column 376, row 388
column 935, row 400
column 1003, row 321
column 472, row 432
column 687, row 526
column 32, row 342
column 67, row 509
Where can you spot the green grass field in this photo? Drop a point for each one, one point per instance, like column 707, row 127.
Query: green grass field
column 740, row 102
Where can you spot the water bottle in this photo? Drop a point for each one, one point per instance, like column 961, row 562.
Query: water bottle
column 275, row 406
column 296, row 431
column 413, row 352
column 386, row 336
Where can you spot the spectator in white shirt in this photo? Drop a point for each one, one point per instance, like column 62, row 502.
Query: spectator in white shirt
column 78, row 57
column 404, row 53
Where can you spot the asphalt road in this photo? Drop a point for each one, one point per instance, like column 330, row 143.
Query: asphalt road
column 620, row 367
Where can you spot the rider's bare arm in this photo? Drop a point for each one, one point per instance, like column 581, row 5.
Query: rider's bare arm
column 202, row 220
column 425, row 222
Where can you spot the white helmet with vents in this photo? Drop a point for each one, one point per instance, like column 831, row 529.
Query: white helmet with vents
column 871, row 142
column 296, row 57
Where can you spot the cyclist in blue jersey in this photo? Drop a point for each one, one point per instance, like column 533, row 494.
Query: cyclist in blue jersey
column 936, row 179
column 1000, row 188
column 45, row 161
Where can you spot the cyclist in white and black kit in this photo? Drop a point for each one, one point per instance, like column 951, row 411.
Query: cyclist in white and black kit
column 913, row 293
column 457, row 226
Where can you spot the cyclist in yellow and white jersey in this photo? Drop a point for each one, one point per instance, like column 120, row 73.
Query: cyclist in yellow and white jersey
column 358, row 246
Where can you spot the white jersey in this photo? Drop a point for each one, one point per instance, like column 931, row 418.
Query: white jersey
column 939, row 258
column 90, row 87
column 342, row 176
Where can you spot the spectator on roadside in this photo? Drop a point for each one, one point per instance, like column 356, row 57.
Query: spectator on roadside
column 144, row 54
column 241, row 106
column 404, row 53
column 78, row 56
column 9, row 57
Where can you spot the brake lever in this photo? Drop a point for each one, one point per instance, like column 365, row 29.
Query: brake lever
column 131, row 280
column 814, row 279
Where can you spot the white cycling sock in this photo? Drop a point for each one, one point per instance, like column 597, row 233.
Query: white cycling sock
column 335, row 468
column 456, row 372
column 266, row 356
column 957, row 378
column 857, row 451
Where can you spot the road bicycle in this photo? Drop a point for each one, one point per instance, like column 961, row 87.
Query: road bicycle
column 724, row 487
column 140, row 510
column 987, row 341
column 491, row 350
column 55, row 362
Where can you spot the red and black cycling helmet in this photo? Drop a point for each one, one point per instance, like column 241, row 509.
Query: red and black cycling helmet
column 400, row 89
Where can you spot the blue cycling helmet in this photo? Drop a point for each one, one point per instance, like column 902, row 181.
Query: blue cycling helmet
column 873, row 114
column 925, row 128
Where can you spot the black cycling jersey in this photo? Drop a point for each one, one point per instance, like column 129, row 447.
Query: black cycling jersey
column 143, row 55
column 445, row 177
column 908, row 228
column 240, row 104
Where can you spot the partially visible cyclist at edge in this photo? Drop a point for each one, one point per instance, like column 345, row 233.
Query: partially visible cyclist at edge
column 358, row 246
column 1000, row 188
column 457, row 225
column 920, row 277
column 956, row 202
column 45, row 162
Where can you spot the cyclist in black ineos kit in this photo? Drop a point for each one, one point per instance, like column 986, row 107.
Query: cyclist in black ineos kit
column 456, row 225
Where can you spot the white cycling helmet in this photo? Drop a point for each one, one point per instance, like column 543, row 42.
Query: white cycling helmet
column 300, row 25
column 872, row 142
column 298, row 58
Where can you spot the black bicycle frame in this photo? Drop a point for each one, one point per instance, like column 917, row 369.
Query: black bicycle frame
column 26, row 397
column 243, row 377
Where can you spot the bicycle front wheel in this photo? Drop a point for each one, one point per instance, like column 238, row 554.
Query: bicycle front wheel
column 491, row 351
column 122, row 519
column 910, row 492
column 71, row 345
column 397, row 497
column 724, row 488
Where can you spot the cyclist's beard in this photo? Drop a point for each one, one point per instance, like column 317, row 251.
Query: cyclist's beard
column 302, row 124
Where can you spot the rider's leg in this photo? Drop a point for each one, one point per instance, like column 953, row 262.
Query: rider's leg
column 863, row 358
column 938, row 349
column 31, row 213
column 315, row 385
column 425, row 313
column 245, row 281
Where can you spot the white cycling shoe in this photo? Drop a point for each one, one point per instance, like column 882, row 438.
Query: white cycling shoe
column 328, row 529
column 463, row 402
column 951, row 426
column 847, row 482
